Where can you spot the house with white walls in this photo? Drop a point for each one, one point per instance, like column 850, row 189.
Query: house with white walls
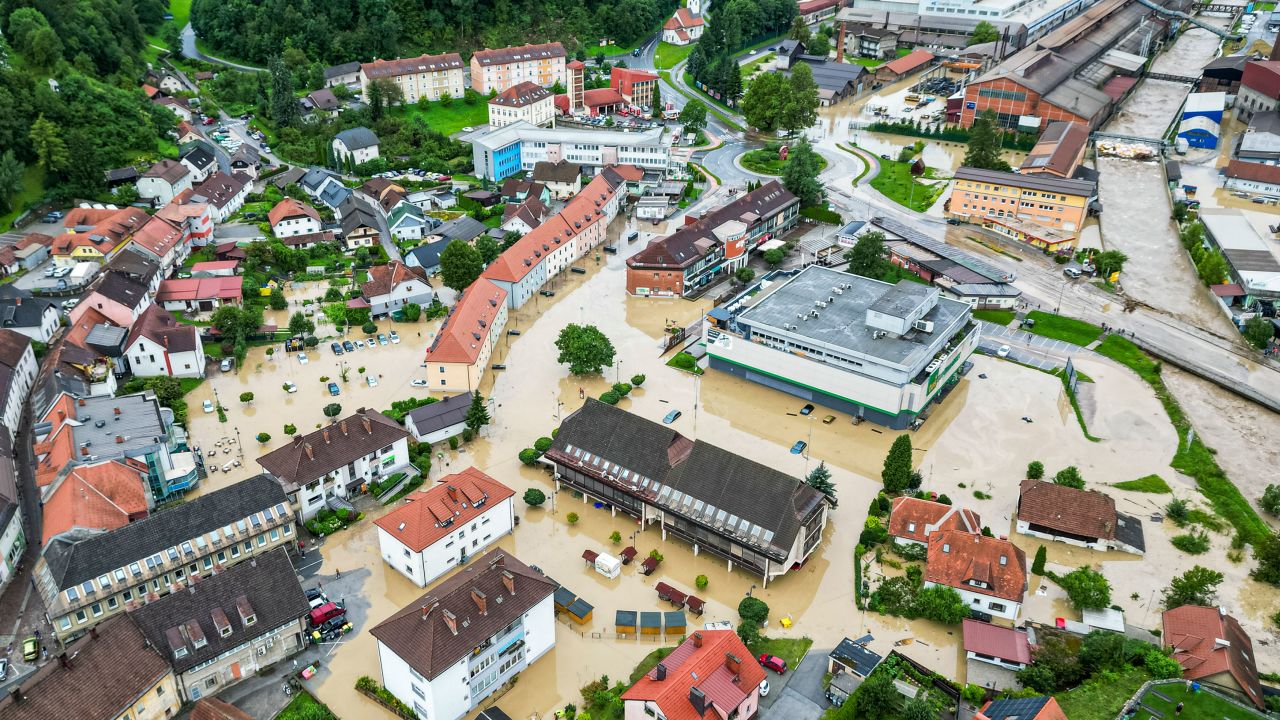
column 394, row 285
column 158, row 345
column 989, row 573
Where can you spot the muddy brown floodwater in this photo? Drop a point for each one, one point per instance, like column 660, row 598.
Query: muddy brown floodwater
column 976, row 441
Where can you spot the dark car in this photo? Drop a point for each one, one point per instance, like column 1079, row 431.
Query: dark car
column 547, row 293
column 346, row 345
column 953, row 221
column 807, row 409
column 774, row 663
column 334, row 389
column 635, row 53
column 336, row 348
column 513, row 332
column 578, row 270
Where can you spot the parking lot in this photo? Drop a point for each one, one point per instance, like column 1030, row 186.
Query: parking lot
column 1039, row 352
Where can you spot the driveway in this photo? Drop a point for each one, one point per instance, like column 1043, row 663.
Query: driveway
column 791, row 705
column 798, row 694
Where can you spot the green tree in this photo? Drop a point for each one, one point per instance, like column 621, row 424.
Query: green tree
column 460, row 265
column 509, row 238
column 800, row 175
column 332, row 410
column 477, row 414
column 300, row 324
column 584, row 349
column 285, row 111
column 800, row 103
column 897, row 465
column 1212, row 267
column 753, row 610
column 488, row 248
column 411, row 312
column 1108, row 262
column 1197, row 586
column 745, row 275
column 867, row 256
column 918, row 708
column 877, row 697
column 762, row 105
column 820, row 45
column 50, row 150
column 1056, row 666
column 799, row 31
column 656, row 113
column 11, row 171
column 1267, row 553
column 1037, row 565
column 246, row 397
column 984, row 144
column 820, row 479
column 941, row 604
column 1087, row 588
column 290, row 429
column 1070, row 476
column 1271, row 499
column 694, row 116
column 774, row 256
column 1035, row 470
column 276, row 299
column 1259, row 331
column 983, row 32
column 533, row 497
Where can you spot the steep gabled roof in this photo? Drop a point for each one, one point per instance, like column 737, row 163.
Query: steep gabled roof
column 429, row 515
column 1002, row 643
column 468, row 323
column 103, row 496
column 157, row 325
column 519, row 53
column 1086, row 513
column 289, row 208
column 715, row 663
column 385, row 278
column 1207, row 641
column 321, row 452
column 916, row 519
column 957, row 559
column 357, row 138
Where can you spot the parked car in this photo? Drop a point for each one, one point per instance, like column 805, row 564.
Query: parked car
column 764, row 688
column 360, row 344
column 799, row 447
column 4, row 668
column 333, row 389
column 290, row 387
column 31, row 649
column 226, row 364
column 348, row 346
column 325, row 613
column 382, row 339
column 774, row 663
column 1071, row 272
column 395, row 338
column 671, row 417
column 49, row 271
column 373, row 381
column 303, row 359
column 336, row 348
column 1003, row 351
column 807, row 409
column 418, row 383
column 208, row 406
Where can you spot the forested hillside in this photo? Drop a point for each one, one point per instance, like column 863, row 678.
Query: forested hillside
column 335, row 31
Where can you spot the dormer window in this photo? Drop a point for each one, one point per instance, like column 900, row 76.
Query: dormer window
column 1004, row 560
column 180, row 653
column 911, row 527
column 946, row 547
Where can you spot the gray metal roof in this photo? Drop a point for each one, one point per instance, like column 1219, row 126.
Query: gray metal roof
column 440, row 415
column 357, row 138
column 1036, row 181
column 941, row 249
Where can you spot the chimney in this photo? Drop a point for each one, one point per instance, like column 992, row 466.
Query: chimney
column 310, row 455
column 697, row 639
column 343, row 426
column 698, row 700
column 453, row 492
column 93, row 633
column 62, row 415
column 17, row 300
column 81, row 402
column 429, row 607
column 451, row 620
column 325, row 433
column 166, row 342
column 660, row 672
column 297, row 440
column 63, row 661
column 509, row 581
column 840, row 44
column 733, row 663
column 368, row 425
column 1219, row 643
column 482, row 601
column 84, row 451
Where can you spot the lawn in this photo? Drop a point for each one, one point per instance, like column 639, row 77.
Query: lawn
column 766, row 162
column 750, row 68
column 685, row 361
column 896, row 182
column 181, row 11
column 712, row 105
column 305, row 707
column 1062, row 328
column 997, row 317
column 868, row 62
column 668, row 56
column 32, row 190
column 1197, row 706
column 1098, row 699
column 447, row 119
column 1147, row 484
column 790, row 649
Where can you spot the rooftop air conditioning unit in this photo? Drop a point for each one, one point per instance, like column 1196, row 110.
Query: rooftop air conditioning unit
column 923, row 325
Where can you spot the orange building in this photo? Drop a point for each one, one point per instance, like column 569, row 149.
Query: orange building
column 1041, row 210
column 498, row 70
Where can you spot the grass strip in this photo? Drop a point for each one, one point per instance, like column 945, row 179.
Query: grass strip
column 1146, row 483
column 1059, row 327
column 996, row 317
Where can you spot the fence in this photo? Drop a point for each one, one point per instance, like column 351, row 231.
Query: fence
column 1148, row 685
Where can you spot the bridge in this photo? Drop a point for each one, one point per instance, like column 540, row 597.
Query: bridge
column 1183, row 16
column 1157, row 142
column 1173, row 78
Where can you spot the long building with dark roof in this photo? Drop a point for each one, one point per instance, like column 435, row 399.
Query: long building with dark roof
column 749, row 514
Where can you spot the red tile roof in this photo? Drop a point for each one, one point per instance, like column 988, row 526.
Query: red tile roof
column 1206, row 641
column 223, row 288
column 682, row 19
column 158, row 326
column 469, row 322
column 519, row 53
column 217, row 709
column 105, row 496
column 1087, row 513
column 1256, row 172
column 624, row 79
column 110, row 229
column 1262, row 76
column 908, row 62
column 429, row 515
column 385, row 278
column 290, row 208
column 404, row 66
column 915, row 519
column 586, row 207
column 215, row 265
column 80, row 328
column 703, row 661
column 159, row 236
column 806, row 7
column 995, row 641
column 956, row 558
column 601, row 97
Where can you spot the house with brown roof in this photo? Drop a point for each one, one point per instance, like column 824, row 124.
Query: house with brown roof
column 562, row 178
column 394, row 285
column 217, row 709
column 158, row 345
column 523, row 101
column 119, row 298
column 439, row 529
column 989, row 573
column 290, row 217
column 200, row 294
column 99, row 496
column 1059, row 151
column 542, row 64
column 96, row 235
column 1086, row 518
column 426, row 76
column 334, row 461
column 162, row 181
column 711, row 674
column 912, row 520
column 110, row 674
column 1008, row 648
column 452, row 648
column 460, row 352
column 1214, row 650
column 225, row 194
column 895, row 70
column 526, row 216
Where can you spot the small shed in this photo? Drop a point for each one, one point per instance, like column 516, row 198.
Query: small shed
column 608, row 566
column 650, row 623
column 695, row 604
column 674, row 622
column 842, row 686
column 628, row 554
column 852, row 656
column 580, row 611
column 564, row 597
column 624, row 622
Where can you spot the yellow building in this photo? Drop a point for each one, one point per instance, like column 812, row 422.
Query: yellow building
column 426, row 76
column 456, row 361
column 1041, row 210
column 497, row 70
column 110, row 674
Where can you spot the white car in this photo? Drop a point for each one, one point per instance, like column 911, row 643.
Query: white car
column 1003, row 351
column 360, row 343
column 395, row 338
column 373, row 381
column 290, row 388
column 303, row 359
column 764, row 688
column 468, row 129
column 208, row 406
column 418, row 383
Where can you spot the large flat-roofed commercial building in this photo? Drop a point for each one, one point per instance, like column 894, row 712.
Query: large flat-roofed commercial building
column 1251, row 260
column 932, row 31
column 501, row 153
column 878, row 351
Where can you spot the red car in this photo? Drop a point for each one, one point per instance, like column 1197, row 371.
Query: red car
column 209, row 121
column 774, row 663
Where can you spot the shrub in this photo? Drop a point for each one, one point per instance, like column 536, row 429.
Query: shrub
column 616, row 537
column 701, row 582
column 753, row 610
column 656, row 555
column 1271, row 500
column 1070, row 476
column 911, row 551
column 369, row 328
column 290, row 429
column 453, row 442
column 637, row 380
column 264, row 438
column 622, row 389
column 311, row 341
column 683, row 361
column 246, row 397
column 1035, row 470
column 360, row 370
column 1192, row 543
column 874, row 510
column 873, row 532
column 542, row 444
column 1042, row 555
column 1178, row 511
column 611, row 397
column 528, row 456
column 1161, row 666
column 944, row 499
column 468, row 434
column 572, row 518
column 533, row 497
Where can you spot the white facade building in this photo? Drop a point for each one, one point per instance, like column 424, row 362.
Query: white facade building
column 18, row 369
column 504, row 151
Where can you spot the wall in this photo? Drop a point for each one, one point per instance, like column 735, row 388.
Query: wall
column 255, row 653
column 444, row 698
column 978, row 601
column 310, row 499
column 12, row 544
column 158, row 702
column 16, row 394
column 471, row 539
column 296, row 226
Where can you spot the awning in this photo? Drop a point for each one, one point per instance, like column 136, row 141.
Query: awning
column 770, row 244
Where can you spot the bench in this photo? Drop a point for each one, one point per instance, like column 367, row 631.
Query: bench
column 1154, row 713
column 1163, row 697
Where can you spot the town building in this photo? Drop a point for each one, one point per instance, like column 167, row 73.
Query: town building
column 334, row 461
column 525, row 101
column 112, row 674
column 359, row 225
column 86, row 577
column 225, row 194
column 1199, row 132
column 710, row 672
column 119, row 297
column 683, row 27
column 158, row 345
column 1259, row 89
column 947, row 33
column 199, row 158
column 1043, row 211
column 817, row 11
column 874, row 350
column 229, row 626
column 467, row 637
column 394, row 285
column 498, row 70
column 1059, row 150
column 324, row 186
column 989, row 573
column 427, row 257
column 1224, row 74
column 526, row 216
column 912, row 520
column 439, row 421
column 1004, row 647
column 246, row 160
column 562, row 178
column 853, row 658
column 407, row 222
column 1251, row 177
column 13, row 536
column 357, row 145
column 861, row 40
column 166, row 242
column 99, row 496
column 429, row 77
column 696, row 255
column 1086, row 518
column 636, row 87
column 95, row 235
column 215, row 268
column 345, row 74
column 439, row 529
column 460, row 352
column 290, row 217
column 1035, row 708
column 1260, row 142
column 835, row 80
column 163, row 181
column 1252, row 262
column 763, row 520
column 1213, row 650
column 37, row 318
column 217, row 709
column 900, row 68
column 18, row 368
column 199, row 294
column 320, row 104
column 502, row 152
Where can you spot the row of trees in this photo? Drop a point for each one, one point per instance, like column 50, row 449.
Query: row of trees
column 730, row 28
column 100, row 38
column 334, row 32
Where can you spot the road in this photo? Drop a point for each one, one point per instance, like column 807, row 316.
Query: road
column 190, row 50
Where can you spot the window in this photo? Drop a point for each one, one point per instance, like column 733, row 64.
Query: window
column 418, row 691
column 72, row 594
column 64, row 623
column 104, row 582
column 262, row 540
column 135, row 569
column 235, row 551
column 998, row 607
column 211, row 681
column 81, row 618
column 112, row 603
column 128, row 595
